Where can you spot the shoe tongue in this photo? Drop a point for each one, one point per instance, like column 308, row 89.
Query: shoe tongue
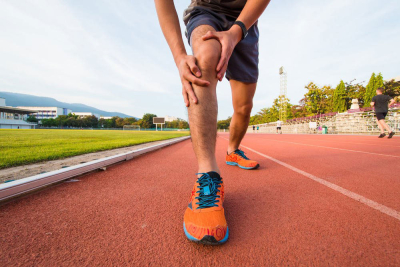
column 214, row 175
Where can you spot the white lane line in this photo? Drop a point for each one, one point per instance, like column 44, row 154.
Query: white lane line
column 375, row 205
column 350, row 150
column 357, row 143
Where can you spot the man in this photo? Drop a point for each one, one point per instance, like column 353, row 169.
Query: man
column 254, row 128
column 279, row 127
column 380, row 102
column 224, row 38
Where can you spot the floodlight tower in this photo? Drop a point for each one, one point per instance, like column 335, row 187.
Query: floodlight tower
column 282, row 95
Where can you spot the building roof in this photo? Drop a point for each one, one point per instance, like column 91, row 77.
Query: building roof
column 16, row 110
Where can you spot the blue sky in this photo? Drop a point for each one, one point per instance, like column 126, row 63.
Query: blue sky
column 112, row 54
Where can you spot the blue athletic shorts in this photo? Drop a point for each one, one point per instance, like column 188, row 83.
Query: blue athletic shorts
column 243, row 64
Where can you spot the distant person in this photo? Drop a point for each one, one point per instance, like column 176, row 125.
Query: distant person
column 381, row 103
column 279, row 127
column 254, row 128
column 219, row 32
column 258, row 128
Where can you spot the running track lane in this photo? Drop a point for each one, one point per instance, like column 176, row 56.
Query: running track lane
column 132, row 214
column 373, row 174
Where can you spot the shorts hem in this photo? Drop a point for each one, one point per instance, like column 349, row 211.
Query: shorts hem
column 242, row 80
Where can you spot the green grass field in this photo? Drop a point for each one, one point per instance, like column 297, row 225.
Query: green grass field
column 20, row 147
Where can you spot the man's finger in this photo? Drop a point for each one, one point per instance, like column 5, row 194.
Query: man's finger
column 200, row 82
column 193, row 67
column 185, row 97
column 221, row 73
column 190, row 92
column 222, row 61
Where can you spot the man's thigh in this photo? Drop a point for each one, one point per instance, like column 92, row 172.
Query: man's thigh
column 242, row 93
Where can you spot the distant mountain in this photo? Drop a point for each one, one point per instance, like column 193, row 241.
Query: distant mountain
column 15, row 99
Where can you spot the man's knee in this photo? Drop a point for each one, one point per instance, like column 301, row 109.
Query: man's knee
column 208, row 54
column 244, row 109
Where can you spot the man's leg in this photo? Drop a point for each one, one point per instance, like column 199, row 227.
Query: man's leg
column 380, row 126
column 385, row 126
column 204, row 220
column 242, row 99
column 203, row 116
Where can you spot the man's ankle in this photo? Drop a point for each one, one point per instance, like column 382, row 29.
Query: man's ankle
column 230, row 150
column 200, row 173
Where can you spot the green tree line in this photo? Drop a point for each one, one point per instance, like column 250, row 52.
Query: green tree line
column 74, row 121
column 325, row 99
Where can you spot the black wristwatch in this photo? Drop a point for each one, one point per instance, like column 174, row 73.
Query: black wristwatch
column 241, row 25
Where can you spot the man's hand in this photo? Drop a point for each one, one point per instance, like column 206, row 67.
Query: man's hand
column 228, row 39
column 190, row 74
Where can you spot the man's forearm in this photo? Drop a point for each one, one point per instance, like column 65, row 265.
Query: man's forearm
column 252, row 11
column 169, row 23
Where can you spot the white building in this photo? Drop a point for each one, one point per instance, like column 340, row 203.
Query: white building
column 47, row 112
column 14, row 118
column 86, row 114
column 105, row 117
column 170, row 118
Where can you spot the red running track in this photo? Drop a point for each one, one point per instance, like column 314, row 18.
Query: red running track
column 131, row 214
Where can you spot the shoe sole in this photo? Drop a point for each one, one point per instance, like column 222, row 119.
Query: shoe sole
column 246, row 168
column 207, row 239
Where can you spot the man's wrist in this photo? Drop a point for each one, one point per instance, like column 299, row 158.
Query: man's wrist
column 236, row 32
column 179, row 57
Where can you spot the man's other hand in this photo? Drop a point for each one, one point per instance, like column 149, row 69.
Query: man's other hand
column 228, row 40
column 190, row 74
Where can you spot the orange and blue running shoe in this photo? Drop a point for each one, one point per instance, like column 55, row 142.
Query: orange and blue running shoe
column 238, row 158
column 204, row 221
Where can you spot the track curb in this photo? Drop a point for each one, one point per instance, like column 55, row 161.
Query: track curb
column 25, row 185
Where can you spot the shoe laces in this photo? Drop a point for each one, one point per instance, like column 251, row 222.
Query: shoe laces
column 208, row 190
column 241, row 153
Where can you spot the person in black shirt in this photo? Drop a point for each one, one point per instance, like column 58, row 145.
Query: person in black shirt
column 380, row 102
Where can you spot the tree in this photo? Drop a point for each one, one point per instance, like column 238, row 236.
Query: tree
column 370, row 90
column 119, row 122
column 183, row 124
column 392, row 88
column 147, row 121
column 177, row 124
column 353, row 91
column 317, row 100
column 91, row 121
column 32, row 119
column 224, row 124
column 378, row 82
column 339, row 98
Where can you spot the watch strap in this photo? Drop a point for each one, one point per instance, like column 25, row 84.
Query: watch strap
column 243, row 27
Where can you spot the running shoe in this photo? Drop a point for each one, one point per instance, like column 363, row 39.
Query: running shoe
column 391, row 134
column 382, row 135
column 204, row 221
column 238, row 158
